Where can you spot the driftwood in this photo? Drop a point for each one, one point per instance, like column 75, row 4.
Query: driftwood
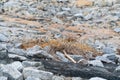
column 69, row 56
column 79, row 70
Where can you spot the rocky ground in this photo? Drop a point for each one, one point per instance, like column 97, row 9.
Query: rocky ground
column 28, row 28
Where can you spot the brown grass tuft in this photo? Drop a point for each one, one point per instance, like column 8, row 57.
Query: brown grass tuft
column 70, row 45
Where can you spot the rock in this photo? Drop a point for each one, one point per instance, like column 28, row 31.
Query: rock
column 99, row 45
column 103, row 59
column 3, row 38
column 111, row 57
column 34, row 48
column 40, row 54
column 61, row 56
column 118, row 68
column 3, row 78
column 10, row 72
column 17, row 57
column 17, row 51
column 32, row 78
column 80, row 15
column 58, row 78
column 56, row 20
column 104, row 2
column 32, row 64
column 76, row 78
column 108, row 50
column 76, row 57
column 44, row 75
column 117, row 30
column 18, row 65
column 3, row 55
column 96, row 63
column 62, row 0
column 97, row 78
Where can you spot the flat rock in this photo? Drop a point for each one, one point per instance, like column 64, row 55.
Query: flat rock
column 44, row 75
column 11, row 72
column 3, row 78
column 3, row 38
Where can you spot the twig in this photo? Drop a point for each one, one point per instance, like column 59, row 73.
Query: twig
column 69, row 56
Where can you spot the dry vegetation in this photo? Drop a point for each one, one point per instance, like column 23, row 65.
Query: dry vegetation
column 70, row 45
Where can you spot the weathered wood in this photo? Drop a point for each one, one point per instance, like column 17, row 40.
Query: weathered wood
column 78, row 70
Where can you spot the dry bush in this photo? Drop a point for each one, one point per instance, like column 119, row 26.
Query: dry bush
column 70, row 45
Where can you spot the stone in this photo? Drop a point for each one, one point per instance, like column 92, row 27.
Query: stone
column 58, row 78
column 3, row 55
column 44, row 75
column 32, row 78
column 17, row 57
column 10, row 72
column 118, row 68
column 76, row 78
column 31, row 64
column 103, row 59
column 97, row 78
column 34, row 48
column 40, row 53
column 3, row 78
column 61, row 56
column 17, row 51
column 117, row 30
column 18, row 65
column 96, row 63
column 76, row 57
column 99, row 45
column 3, row 38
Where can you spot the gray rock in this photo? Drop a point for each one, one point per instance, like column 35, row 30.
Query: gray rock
column 58, row 78
column 56, row 20
column 118, row 68
column 61, row 56
column 88, row 17
column 10, row 72
column 3, row 38
column 17, row 51
column 62, row 0
column 76, row 57
column 65, row 9
column 3, row 55
column 99, row 45
column 18, row 65
column 78, row 15
column 103, row 59
column 96, row 63
column 31, row 64
column 76, row 78
column 97, row 78
column 117, row 30
column 17, row 57
column 3, row 78
column 40, row 53
column 37, row 73
column 34, row 48
column 32, row 78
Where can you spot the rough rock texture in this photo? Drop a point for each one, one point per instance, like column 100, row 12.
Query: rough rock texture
column 80, row 31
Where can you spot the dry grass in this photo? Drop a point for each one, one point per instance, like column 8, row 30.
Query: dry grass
column 70, row 45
